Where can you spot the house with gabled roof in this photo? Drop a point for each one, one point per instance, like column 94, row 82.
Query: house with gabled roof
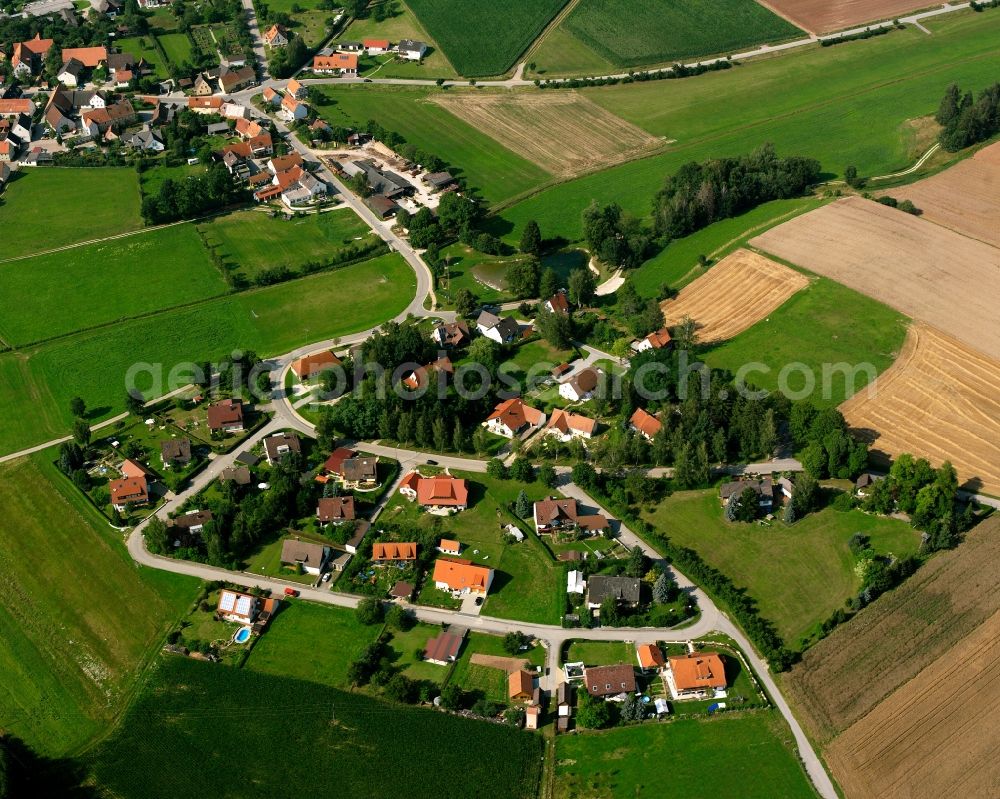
column 650, row 657
column 501, row 330
column 296, row 89
column 566, row 426
column 271, row 97
column 277, row 446
column 310, row 366
column 292, row 109
column 360, row 473
column 557, row 303
column 205, row 105
column 345, row 64
column 226, row 415
column 645, row 424
column 175, row 452
column 390, row 552
column 411, row 50
column 512, row 417
column 441, row 494
column 520, row 685
column 376, row 46
column 553, row 514
column 626, row 591
column 444, row 648
column 335, row 510
column 237, row 606
column 582, row 385
column 232, row 80
column 312, row 558
column 609, row 682
column 276, row 36
column 28, row 57
column 127, row 491
column 451, row 334
column 335, row 463
column 462, row 577
column 695, row 675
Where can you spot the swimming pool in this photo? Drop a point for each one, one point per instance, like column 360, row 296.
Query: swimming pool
column 242, row 635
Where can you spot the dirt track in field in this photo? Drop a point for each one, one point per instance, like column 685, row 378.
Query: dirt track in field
column 965, row 198
column 736, row 293
column 935, row 736
column 498, row 662
column 563, row 132
column 922, row 269
column 827, row 16
column 940, row 400
column 848, row 674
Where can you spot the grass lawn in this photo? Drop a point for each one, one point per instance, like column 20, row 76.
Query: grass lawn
column 151, row 180
column 601, row 653
column 177, row 46
column 79, row 618
column 312, row 642
column 482, row 39
column 535, row 360
column 677, row 264
column 528, row 585
column 750, row 755
column 492, row 682
column 257, row 241
column 797, row 574
column 821, row 102
column 487, row 167
column 270, row 320
column 405, row 646
column 304, row 734
column 47, row 208
column 826, row 323
column 92, row 285
column 404, row 25
column 659, row 31
column 142, row 47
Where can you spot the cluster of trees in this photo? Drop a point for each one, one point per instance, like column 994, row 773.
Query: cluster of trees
column 699, row 194
column 867, row 33
column 642, row 315
column 614, row 236
column 192, row 197
column 456, row 217
column 828, row 450
column 966, row 121
column 929, row 496
column 15, row 28
column 284, row 61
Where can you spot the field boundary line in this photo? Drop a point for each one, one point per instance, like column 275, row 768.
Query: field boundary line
column 553, row 24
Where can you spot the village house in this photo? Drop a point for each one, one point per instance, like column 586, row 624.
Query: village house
column 420, row 377
column 114, row 116
column 376, row 46
column 312, row 558
column 443, row 649
column 205, row 105
column 361, row 528
column 520, row 685
column 658, row 340
column 276, row 36
column 411, row 50
column 557, row 303
column 401, row 591
column 645, row 424
column 448, row 547
column 203, row 83
column 451, row 334
column 27, row 57
column 146, row 139
column 185, row 527
column 240, row 475
column 226, row 416
column 271, row 97
column 582, row 385
column 764, row 489
column 864, row 484
column 553, row 514
column 441, row 494
column 695, row 675
column 502, row 331
column 344, row 64
column 462, row 577
column 128, row 491
column 175, row 453
column 512, row 417
column 437, row 181
column 238, row 607
column 360, row 473
column 16, row 107
column 335, row 510
column 247, row 128
column 232, row 80
column 626, row 591
column 609, row 682
column 566, row 426
column 386, row 553
column 381, row 206
column 335, row 463
column 311, row 366
column 650, row 657
column 277, row 446
column 296, row 89
column 292, row 109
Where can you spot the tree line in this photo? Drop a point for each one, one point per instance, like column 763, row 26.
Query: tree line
column 966, row 120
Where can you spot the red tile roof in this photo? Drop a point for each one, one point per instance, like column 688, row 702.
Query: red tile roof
column 698, row 670
column 343, row 61
column 650, row 656
column 565, row 422
column 382, row 43
column 394, row 551
column 214, row 103
column 645, row 422
column 19, row 106
column 442, row 490
column 336, row 460
column 129, row 489
column 520, row 684
column 515, row 414
column 88, row 56
column 311, row 365
column 659, row 339
column 459, row 575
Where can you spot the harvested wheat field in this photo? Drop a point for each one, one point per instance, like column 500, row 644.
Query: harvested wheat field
column 924, row 270
column 849, row 673
column 935, row 736
column 940, row 400
column 563, row 132
column 736, row 293
column 827, row 16
column 965, row 197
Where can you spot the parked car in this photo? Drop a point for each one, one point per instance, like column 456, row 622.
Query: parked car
column 326, row 577
column 291, row 592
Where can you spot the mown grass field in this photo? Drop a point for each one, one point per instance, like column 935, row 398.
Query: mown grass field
column 177, row 46
column 271, row 320
column 82, row 287
column 301, row 734
column 311, row 642
column 798, row 574
column 658, row 31
column 824, row 325
column 483, row 39
column 48, row 208
column 827, row 103
column 750, row 755
column 79, row 619
column 489, row 168
column 256, row 241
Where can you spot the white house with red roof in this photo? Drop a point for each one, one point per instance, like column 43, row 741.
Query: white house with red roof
column 512, row 417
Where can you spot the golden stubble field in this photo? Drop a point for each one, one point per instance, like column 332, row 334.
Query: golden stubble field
column 735, row 294
column 940, row 400
column 965, row 198
column 924, row 270
column 561, row 131
column 847, row 675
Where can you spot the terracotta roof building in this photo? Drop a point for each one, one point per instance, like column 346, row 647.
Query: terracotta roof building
column 512, row 416
column 312, row 365
column 462, row 576
column 520, row 685
column 134, row 490
column 438, row 493
column 334, row 464
column 695, row 674
column 645, row 424
column 90, row 57
column 650, row 656
column 565, row 425
column 391, row 552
